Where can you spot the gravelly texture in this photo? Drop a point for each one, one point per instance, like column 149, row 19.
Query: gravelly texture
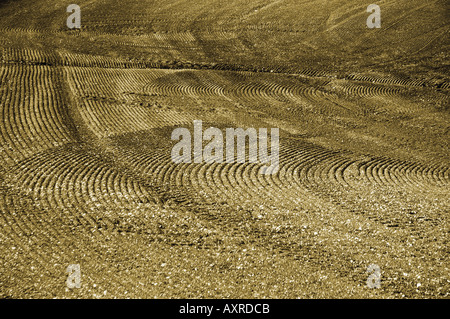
column 86, row 175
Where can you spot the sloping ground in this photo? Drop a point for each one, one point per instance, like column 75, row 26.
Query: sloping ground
column 86, row 175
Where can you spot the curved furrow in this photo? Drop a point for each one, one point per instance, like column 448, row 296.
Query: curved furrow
column 108, row 190
column 13, row 116
column 108, row 119
column 117, row 188
column 265, row 90
column 243, row 183
column 270, row 188
column 422, row 172
column 390, row 177
column 90, row 183
column 184, row 175
column 312, row 170
column 315, row 73
column 437, row 178
column 223, row 187
column 32, row 111
column 330, row 168
column 385, row 80
column 83, row 186
column 189, row 83
column 48, row 233
column 411, row 172
column 174, row 36
column 153, row 165
column 315, row 173
column 305, row 168
column 288, row 175
column 43, row 242
column 381, row 168
column 247, row 173
column 410, row 180
column 30, row 56
column 336, row 170
column 277, row 91
column 201, row 183
column 439, row 174
column 288, row 185
column 373, row 90
column 95, row 61
column 240, row 193
column 368, row 169
column 254, row 196
column 22, row 228
column 398, row 169
column 115, row 84
column 179, row 178
column 211, row 174
column 198, row 177
column 211, row 34
column 159, row 87
column 163, row 172
column 53, row 165
column 226, row 178
column 165, row 85
column 186, row 36
column 95, row 122
column 290, row 156
column 250, row 91
column 253, row 92
column 280, row 90
column 147, row 163
column 212, row 83
column 136, row 191
column 166, row 175
column 396, row 173
column 368, row 172
column 311, row 94
column 379, row 178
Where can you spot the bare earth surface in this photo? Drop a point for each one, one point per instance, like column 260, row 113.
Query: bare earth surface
column 86, row 175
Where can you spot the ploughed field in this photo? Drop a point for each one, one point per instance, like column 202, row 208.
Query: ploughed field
column 86, row 174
